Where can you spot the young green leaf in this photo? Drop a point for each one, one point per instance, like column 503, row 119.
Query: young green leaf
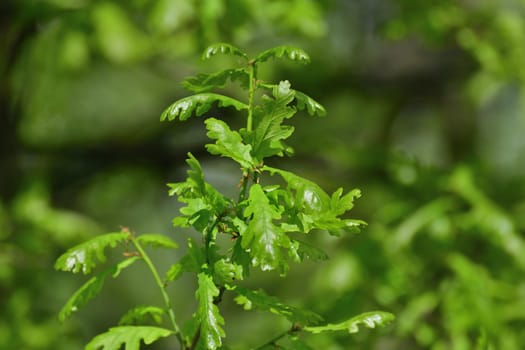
column 263, row 239
column 84, row 256
column 199, row 104
column 312, row 106
column 92, row 288
column 266, row 139
column 370, row 319
column 156, row 240
column 206, row 82
column 228, row 143
column 208, row 313
column 292, row 53
column 141, row 314
column 203, row 200
column 222, row 48
column 315, row 208
column 173, row 273
column 130, row 336
column 251, row 299
column 226, row 272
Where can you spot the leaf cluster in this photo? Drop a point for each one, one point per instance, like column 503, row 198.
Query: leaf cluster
column 263, row 222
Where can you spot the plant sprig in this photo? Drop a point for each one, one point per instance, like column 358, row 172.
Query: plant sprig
column 259, row 221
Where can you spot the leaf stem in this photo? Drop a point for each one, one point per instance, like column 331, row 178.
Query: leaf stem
column 251, row 94
column 273, row 342
column 160, row 284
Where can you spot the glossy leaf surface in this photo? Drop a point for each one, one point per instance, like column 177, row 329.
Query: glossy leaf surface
column 222, row 48
column 289, row 52
column 211, row 321
column 263, row 239
column 199, row 104
column 370, row 319
column 228, row 143
column 85, row 256
column 129, row 336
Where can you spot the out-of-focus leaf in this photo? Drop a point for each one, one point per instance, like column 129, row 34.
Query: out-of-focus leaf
column 129, row 336
column 263, row 239
column 156, row 240
column 370, row 319
column 84, row 256
column 173, row 273
column 292, row 53
column 208, row 313
column 199, row 104
column 228, row 143
column 205, row 82
column 92, row 288
column 259, row 300
column 222, row 48
column 140, row 314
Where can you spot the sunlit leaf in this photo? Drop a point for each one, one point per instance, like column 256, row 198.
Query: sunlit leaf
column 222, row 48
column 92, row 288
column 269, row 132
column 312, row 106
column 315, row 208
column 206, row 82
column 263, row 239
column 85, row 256
column 370, row 319
column 289, row 52
column 141, row 314
column 259, row 300
column 202, row 200
column 228, row 143
column 199, row 104
column 211, row 321
column 129, row 336
column 226, row 271
column 156, row 240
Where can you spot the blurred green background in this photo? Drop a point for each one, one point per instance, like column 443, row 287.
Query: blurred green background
column 425, row 102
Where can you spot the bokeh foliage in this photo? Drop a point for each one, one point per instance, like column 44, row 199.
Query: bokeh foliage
column 425, row 104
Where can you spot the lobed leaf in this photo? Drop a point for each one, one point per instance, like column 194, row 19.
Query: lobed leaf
column 226, row 272
column 156, row 240
column 266, row 139
column 202, row 199
column 312, row 207
column 92, row 288
column 85, row 256
column 228, row 143
column 292, row 53
column 258, row 299
column 130, row 336
column 199, row 104
column 223, row 48
column 208, row 313
column 370, row 319
column 263, row 239
column 206, row 82
column 312, row 106
column 141, row 313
